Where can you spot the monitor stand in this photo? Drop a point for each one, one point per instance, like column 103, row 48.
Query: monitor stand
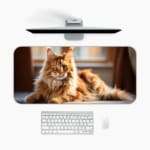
column 74, row 23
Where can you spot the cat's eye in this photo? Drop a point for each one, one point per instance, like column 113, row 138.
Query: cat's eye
column 65, row 67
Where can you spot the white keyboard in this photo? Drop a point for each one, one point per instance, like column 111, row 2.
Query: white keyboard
column 67, row 122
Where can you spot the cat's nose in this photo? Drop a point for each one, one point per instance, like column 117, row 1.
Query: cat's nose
column 56, row 74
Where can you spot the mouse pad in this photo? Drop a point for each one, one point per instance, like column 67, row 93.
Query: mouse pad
column 74, row 75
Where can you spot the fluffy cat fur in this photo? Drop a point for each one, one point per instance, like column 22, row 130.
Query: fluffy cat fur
column 59, row 82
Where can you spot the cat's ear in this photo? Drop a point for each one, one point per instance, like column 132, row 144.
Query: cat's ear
column 65, row 50
column 50, row 54
column 68, row 53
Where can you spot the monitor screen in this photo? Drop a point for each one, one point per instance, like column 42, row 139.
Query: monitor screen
column 74, row 75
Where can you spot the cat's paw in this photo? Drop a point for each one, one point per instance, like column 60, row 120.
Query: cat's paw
column 28, row 99
column 32, row 98
column 55, row 100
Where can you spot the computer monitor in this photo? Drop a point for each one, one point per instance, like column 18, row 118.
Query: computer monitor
column 74, row 75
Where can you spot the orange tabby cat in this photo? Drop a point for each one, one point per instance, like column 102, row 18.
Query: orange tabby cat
column 59, row 82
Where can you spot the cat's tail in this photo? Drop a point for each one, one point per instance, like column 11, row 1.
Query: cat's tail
column 115, row 94
column 97, row 86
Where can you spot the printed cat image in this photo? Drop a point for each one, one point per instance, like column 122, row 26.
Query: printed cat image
column 60, row 82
